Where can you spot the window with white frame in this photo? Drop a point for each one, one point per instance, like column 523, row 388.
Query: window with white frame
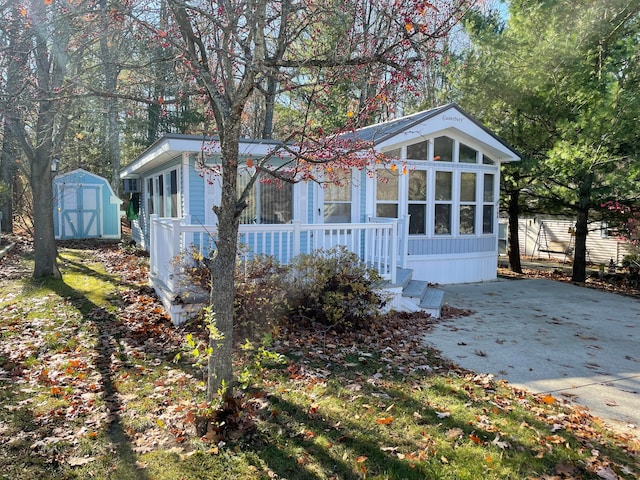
column 162, row 194
column 488, row 204
column 487, row 160
column 443, row 149
column 418, row 151
column 270, row 201
column 337, row 199
column 467, row 154
column 443, row 202
column 150, row 205
column 467, row 223
column 417, row 202
column 386, row 194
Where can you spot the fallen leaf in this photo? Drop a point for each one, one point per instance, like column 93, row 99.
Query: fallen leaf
column 500, row 443
column 384, row 421
column 79, row 461
column 606, row 473
column 548, row 399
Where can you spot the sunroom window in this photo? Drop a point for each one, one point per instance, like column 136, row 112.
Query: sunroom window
column 488, row 204
column 418, row 151
column 467, row 154
column 443, row 203
column 337, row 200
column 467, row 203
column 386, row 194
column 417, row 205
column 443, row 149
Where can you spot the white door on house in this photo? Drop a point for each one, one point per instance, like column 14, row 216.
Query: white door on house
column 80, row 213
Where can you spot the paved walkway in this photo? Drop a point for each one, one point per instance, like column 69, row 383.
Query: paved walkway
column 547, row 336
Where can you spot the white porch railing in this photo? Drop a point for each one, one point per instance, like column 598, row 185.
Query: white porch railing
column 380, row 243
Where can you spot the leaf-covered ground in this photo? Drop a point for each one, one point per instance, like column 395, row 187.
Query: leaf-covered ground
column 89, row 388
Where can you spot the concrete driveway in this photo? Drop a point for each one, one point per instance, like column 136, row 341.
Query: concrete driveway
column 570, row 341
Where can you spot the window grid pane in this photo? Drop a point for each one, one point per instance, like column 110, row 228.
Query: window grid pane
column 443, row 149
column 387, row 186
column 467, row 154
column 487, row 219
column 467, row 219
column 387, row 210
column 418, row 151
column 467, row 187
column 417, row 219
column 488, row 187
column 418, row 185
column 443, row 185
column 443, row 219
column 276, row 202
column 249, row 214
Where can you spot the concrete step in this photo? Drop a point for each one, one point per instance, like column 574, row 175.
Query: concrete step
column 415, row 289
column 432, row 302
column 403, row 277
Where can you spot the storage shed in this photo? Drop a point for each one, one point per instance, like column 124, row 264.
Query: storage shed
column 85, row 206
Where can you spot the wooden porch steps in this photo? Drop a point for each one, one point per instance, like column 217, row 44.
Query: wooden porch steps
column 418, row 296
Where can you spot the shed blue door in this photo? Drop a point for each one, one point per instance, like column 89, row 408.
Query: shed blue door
column 80, row 211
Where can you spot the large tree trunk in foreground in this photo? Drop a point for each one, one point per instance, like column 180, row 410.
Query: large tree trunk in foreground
column 44, row 244
column 579, row 273
column 223, row 268
column 513, row 248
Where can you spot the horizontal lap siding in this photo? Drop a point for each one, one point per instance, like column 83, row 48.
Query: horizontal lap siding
column 196, row 198
column 559, row 240
column 451, row 246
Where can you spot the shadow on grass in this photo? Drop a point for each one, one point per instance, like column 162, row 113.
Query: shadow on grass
column 343, row 439
column 81, row 268
column 107, row 348
column 18, row 459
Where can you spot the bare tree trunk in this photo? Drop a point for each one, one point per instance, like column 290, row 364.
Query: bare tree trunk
column 223, row 267
column 579, row 273
column 8, row 168
column 269, row 107
column 515, row 265
column 50, row 70
column 110, row 71
column 44, row 244
column 19, row 51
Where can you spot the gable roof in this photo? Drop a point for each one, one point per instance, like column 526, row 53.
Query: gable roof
column 385, row 131
column 401, row 129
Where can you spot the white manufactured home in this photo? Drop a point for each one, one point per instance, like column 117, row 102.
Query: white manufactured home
column 431, row 218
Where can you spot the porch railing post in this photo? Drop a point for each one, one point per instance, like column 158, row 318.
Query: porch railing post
column 153, row 244
column 296, row 237
column 404, row 241
column 394, row 248
column 177, row 244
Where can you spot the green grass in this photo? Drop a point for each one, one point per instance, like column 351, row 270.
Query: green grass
column 89, row 389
